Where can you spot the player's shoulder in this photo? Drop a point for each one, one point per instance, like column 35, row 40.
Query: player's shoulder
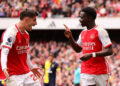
column 26, row 32
column 100, row 29
column 84, row 30
column 55, row 63
column 11, row 31
column 47, row 62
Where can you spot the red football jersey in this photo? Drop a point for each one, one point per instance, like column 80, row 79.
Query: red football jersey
column 94, row 40
column 18, row 43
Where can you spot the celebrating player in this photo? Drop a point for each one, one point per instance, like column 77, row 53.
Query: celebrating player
column 95, row 45
column 15, row 62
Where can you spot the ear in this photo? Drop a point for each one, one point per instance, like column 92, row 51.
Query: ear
column 26, row 19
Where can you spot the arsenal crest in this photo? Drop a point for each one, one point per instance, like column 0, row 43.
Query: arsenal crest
column 92, row 36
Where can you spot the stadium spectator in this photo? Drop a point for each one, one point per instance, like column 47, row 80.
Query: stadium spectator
column 77, row 74
column 50, row 69
column 59, row 8
column 66, row 64
column 2, row 13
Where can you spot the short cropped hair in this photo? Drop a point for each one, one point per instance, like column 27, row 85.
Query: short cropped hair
column 51, row 54
column 28, row 13
column 90, row 11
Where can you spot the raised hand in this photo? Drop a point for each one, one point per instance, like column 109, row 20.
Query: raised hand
column 67, row 32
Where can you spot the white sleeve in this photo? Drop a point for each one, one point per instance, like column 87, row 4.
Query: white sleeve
column 79, row 41
column 29, row 62
column 104, row 37
column 8, row 38
column 4, row 54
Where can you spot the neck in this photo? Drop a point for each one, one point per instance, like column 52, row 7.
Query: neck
column 91, row 25
column 21, row 26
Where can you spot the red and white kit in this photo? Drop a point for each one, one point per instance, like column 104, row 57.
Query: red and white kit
column 18, row 45
column 94, row 40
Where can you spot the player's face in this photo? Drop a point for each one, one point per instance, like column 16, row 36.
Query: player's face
column 51, row 58
column 83, row 19
column 30, row 22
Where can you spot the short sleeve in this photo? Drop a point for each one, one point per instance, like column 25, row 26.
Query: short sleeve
column 79, row 41
column 104, row 37
column 56, row 65
column 8, row 38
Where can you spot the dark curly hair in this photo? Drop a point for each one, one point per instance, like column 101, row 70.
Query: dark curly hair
column 90, row 11
column 28, row 13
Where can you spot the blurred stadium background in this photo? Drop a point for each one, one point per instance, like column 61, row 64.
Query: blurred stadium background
column 48, row 35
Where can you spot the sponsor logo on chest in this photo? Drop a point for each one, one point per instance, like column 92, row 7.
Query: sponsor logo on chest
column 22, row 49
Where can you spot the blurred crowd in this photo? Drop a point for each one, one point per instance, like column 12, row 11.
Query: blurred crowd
column 59, row 8
column 67, row 58
column 64, row 56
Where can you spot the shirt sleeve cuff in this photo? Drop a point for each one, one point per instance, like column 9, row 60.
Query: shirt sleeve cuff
column 108, row 45
column 6, row 46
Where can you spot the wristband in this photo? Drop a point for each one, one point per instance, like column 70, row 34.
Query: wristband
column 93, row 54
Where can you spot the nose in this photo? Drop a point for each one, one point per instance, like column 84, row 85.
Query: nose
column 35, row 23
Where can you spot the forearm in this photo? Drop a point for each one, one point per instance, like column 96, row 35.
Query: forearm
column 74, row 45
column 4, row 54
column 30, row 65
column 106, row 52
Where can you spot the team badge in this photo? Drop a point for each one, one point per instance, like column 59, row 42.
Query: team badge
column 27, row 40
column 92, row 36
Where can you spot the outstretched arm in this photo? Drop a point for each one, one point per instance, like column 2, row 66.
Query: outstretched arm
column 68, row 35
